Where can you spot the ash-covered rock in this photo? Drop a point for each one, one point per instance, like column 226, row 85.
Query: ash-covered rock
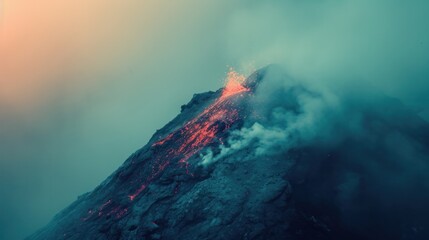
column 264, row 162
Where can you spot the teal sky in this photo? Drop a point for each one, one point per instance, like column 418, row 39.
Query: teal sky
column 81, row 90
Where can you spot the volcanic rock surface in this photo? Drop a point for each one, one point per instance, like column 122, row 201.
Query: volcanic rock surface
column 187, row 183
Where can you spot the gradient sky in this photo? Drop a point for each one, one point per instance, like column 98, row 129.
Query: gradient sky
column 84, row 83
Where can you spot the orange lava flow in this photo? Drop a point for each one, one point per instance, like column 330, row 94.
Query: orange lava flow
column 180, row 145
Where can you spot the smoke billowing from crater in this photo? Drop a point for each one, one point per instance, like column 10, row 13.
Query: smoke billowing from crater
column 73, row 74
column 360, row 160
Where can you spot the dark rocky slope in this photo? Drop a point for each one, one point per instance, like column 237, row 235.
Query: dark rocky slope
column 209, row 175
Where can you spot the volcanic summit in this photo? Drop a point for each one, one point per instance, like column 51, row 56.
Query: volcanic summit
column 236, row 164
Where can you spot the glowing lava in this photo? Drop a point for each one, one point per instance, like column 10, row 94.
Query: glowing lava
column 234, row 84
column 180, row 145
column 108, row 208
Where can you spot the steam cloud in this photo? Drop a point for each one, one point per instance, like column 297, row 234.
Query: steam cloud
column 364, row 155
column 348, row 47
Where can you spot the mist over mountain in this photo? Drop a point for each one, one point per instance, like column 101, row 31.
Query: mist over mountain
column 267, row 157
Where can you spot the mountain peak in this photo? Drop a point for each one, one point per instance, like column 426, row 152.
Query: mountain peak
column 170, row 159
column 265, row 179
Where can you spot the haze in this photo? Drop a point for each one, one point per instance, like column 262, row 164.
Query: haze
column 85, row 83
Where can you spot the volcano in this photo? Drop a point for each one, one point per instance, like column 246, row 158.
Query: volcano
column 225, row 168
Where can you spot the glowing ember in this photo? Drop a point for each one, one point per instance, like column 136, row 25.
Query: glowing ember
column 108, row 208
column 142, row 187
column 234, row 84
column 180, row 145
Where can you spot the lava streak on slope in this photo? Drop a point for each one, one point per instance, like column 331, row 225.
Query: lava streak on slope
column 176, row 148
